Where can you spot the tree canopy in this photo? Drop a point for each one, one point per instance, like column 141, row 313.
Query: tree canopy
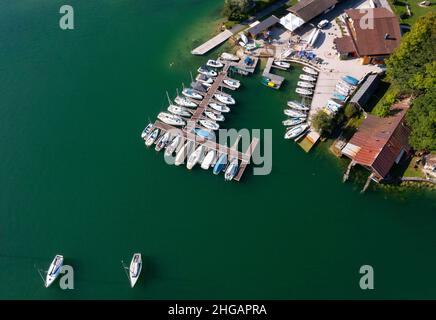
column 237, row 10
column 323, row 123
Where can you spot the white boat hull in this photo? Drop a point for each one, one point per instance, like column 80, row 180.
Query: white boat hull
column 135, row 269
column 54, row 270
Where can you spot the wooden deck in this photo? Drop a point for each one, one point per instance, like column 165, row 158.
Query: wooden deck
column 212, row 43
column 278, row 80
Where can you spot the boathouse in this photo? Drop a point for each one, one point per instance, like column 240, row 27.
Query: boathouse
column 365, row 92
column 373, row 35
column 379, row 143
column 263, row 27
column 304, row 11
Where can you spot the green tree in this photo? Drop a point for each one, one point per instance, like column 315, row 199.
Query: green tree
column 237, row 10
column 323, row 123
column 422, row 120
column 350, row 110
column 412, row 67
column 384, row 106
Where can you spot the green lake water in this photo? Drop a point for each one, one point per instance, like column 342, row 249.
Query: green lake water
column 76, row 179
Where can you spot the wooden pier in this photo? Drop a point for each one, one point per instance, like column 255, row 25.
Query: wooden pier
column 212, row 43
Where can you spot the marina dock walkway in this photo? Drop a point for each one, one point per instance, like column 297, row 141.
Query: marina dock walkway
column 278, row 80
column 212, row 43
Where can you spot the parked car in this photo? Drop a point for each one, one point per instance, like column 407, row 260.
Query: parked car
column 323, row 24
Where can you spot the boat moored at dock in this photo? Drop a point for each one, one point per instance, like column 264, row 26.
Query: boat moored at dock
column 214, row 64
column 294, row 113
column 304, row 92
column 232, row 83
column 297, row 106
column 184, row 152
column 146, row 130
column 185, row 102
column 226, row 99
column 173, row 145
column 293, row 122
column 296, row 131
column 229, row 57
column 152, row 137
column 195, row 157
column 54, row 270
column 310, row 71
column 190, row 93
column 231, row 170
column 179, row 111
column 213, row 116
column 207, row 72
column 208, row 159
column 282, row 64
column 163, row 141
column 220, row 164
column 219, row 107
column 306, row 77
column 304, row 84
column 209, row 124
column 171, row 119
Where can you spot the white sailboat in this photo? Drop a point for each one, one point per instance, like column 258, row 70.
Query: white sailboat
column 135, row 269
column 305, row 84
column 214, row 64
column 146, row 130
column 304, row 92
column 190, row 93
column 219, row 107
column 208, row 159
column 185, row 102
column 296, row 131
column 195, row 157
column 207, row 72
column 184, row 152
column 209, row 124
column 172, row 146
column 54, row 270
column 179, row 111
column 231, row 170
column 306, row 77
column 310, row 71
column 152, row 138
column 232, row 83
column 214, row 116
column 171, row 119
column 226, row 99
column 294, row 114
column 297, row 106
column 293, row 122
column 282, row 64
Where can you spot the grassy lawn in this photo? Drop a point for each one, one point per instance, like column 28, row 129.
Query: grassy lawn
column 411, row 171
column 399, row 6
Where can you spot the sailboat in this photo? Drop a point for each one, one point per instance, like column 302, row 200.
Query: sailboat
column 214, row 116
column 226, row 99
column 195, row 157
column 190, row 93
column 172, row 146
column 209, row 124
column 293, row 122
column 304, row 84
column 54, row 270
column 214, row 64
column 185, row 102
column 231, row 170
column 294, row 113
column 304, row 92
column 171, row 119
column 232, row 83
column 207, row 72
column 306, row 77
column 184, row 152
column 146, row 131
column 219, row 107
column 296, row 131
column 310, row 71
column 179, row 111
column 152, row 138
column 297, row 106
column 135, row 269
column 282, row 64
column 220, row 164
column 208, row 159
column 163, row 141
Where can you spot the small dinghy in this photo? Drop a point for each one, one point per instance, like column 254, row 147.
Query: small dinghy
column 185, row 102
column 172, row 146
column 146, row 131
column 214, row 64
column 208, row 159
column 306, row 77
column 219, row 107
column 195, row 157
column 297, row 106
column 190, row 93
column 207, row 72
column 293, row 122
column 135, row 269
column 310, row 71
column 282, row 64
column 209, row 124
column 232, row 83
column 213, row 116
column 296, row 131
column 229, row 57
column 294, row 114
column 179, row 111
column 171, row 119
column 152, row 138
column 224, row 98
column 304, row 84
column 54, row 270
column 304, row 92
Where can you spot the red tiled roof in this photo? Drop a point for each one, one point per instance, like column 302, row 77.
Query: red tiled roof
column 382, row 139
column 368, row 30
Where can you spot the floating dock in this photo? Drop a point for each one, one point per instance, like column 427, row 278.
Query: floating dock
column 277, row 80
column 212, row 43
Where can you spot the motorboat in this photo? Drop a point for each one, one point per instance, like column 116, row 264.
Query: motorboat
column 214, row 116
column 163, row 141
column 185, row 102
column 297, row 106
column 219, row 107
column 339, row 96
column 293, row 122
column 304, row 84
column 207, row 72
column 135, row 269
column 304, row 92
column 306, row 77
column 208, row 159
column 146, row 131
column 210, row 135
column 205, row 80
column 209, row 124
column 220, row 164
column 232, row 83
column 190, row 93
column 179, row 111
column 282, row 64
column 171, row 119
column 152, row 137
column 226, row 99
column 229, row 57
column 172, row 146
column 231, row 170
column 195, row 157
column 296, row 131
column 310, row 71
column 54, row 270
column 214, row 64
column 184, row 152
column 294, row 114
